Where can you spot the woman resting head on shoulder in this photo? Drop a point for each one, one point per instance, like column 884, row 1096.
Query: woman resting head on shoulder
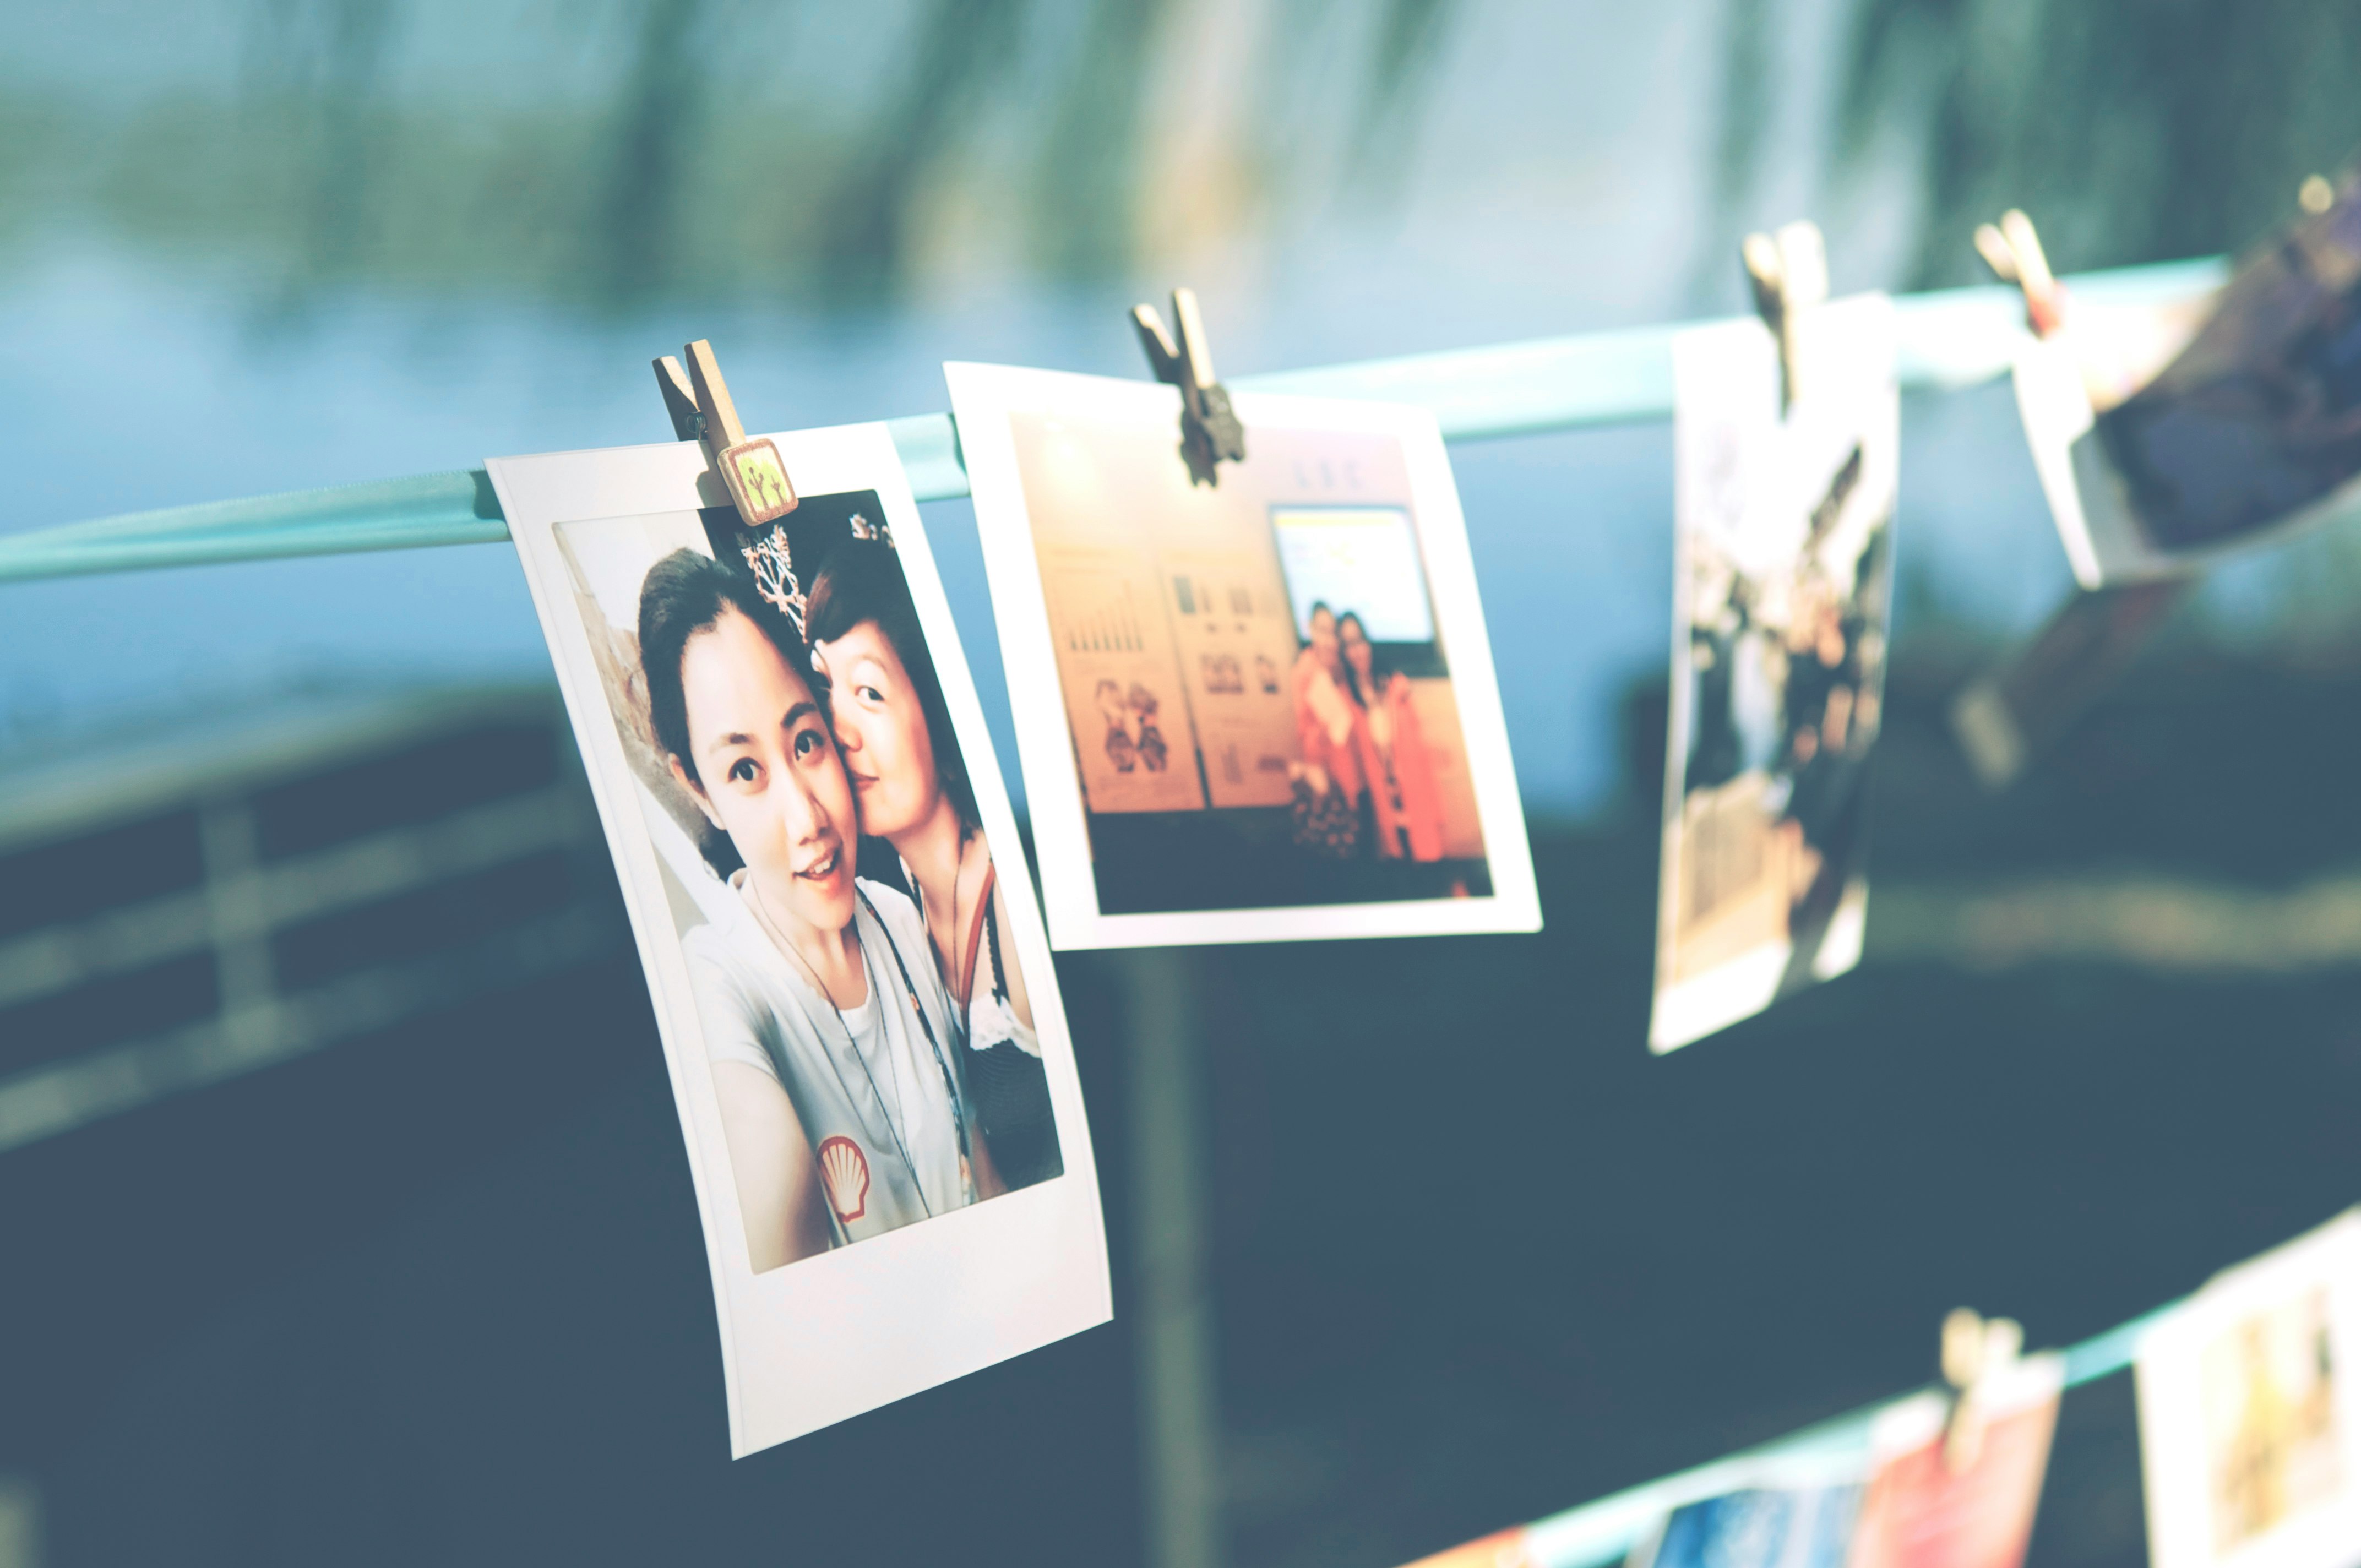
column 894, row 728
column 841, row 1105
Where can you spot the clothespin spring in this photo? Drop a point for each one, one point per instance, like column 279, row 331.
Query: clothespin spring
column 1211, row 432
column 1789, row 275
column 701, row 409
column 1976, row 1351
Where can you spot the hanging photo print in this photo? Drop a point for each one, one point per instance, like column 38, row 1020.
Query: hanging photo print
column 2250, row 1414
column 1941, row 1498
column 1249, row 710
column 2250, row 432
column 1783, row 570
column 1788, row 1514
column 855, row 997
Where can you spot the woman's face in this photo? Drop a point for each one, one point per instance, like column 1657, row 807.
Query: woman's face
column 888, row 753
column 769, row 776
column 1356, row 645
column 1323, row 638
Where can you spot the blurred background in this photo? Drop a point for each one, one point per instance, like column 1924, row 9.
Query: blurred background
column 1451, row 1251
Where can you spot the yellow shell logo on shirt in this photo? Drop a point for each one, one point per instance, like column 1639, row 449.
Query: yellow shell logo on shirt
column 845, row 1170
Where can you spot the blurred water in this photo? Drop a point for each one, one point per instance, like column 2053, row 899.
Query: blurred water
column 1560, row 175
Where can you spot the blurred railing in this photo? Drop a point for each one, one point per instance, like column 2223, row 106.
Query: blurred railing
column 276, row 888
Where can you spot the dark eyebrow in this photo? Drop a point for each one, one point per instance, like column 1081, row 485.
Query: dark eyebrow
column 798, row 712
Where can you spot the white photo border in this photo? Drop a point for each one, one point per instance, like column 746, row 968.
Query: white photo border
column 829, row 1336
column 1746, row 358
column 2097, row 525
column 983, row 397
column 2170, row 1374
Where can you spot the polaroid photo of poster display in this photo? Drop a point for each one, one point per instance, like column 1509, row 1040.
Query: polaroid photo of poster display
column 855, row 996
column 1927, row 1506
column 1259, row 710
column 1783, row 569
column 2250, row 1414
column 2251, row 432
column 1789, row 1516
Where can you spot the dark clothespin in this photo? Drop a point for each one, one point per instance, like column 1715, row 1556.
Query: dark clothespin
column 702, row 409
column 2013, row 251
column 1790, row 276
column 1210, row 430
column 1976, row 1352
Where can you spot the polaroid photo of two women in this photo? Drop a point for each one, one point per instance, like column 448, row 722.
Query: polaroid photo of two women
column 849, row 974
column 1782, row 584
column 1258, row 709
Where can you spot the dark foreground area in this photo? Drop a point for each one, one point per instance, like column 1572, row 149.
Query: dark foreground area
column 437, row 1295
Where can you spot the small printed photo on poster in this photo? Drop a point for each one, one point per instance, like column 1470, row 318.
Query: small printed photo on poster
column 2249, row 1413
column 1254, row 710
column 2250, row 432
column 1782, row 582
column 855, row 996
column 1931, row 1505
column 1786, row 1515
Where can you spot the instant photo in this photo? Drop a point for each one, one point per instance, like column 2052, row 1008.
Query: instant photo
column 2249, row 1412
column 1250, row 710
column 1783, row 570
column 855, row 996
column 1787, row 1515
column 2252, row 432
column 1935, row 1503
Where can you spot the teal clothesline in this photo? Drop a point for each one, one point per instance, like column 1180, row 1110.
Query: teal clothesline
column 1601, row 1532
column 1956, row 337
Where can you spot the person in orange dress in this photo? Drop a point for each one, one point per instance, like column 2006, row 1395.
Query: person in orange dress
column 1406, row 805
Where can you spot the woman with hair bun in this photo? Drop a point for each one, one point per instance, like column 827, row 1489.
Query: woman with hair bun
column 885, row 704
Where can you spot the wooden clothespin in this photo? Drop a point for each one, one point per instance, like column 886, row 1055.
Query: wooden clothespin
column 1976, row 1352
column 1790, row 276
column 2013, row 251
column 702, row 409
column 1210, row 430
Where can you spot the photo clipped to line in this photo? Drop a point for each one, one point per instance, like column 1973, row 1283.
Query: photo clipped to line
column 1783, row 573
column 2250, row 1412
column 854, row 993
column 1254, row 710
column 2251, row 432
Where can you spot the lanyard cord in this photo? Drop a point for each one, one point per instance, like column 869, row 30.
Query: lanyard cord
column 869, row 975
column 958, row 1113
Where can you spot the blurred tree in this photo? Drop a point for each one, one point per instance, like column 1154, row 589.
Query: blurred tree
column 2131, row 130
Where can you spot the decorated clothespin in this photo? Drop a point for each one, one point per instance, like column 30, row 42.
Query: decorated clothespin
column 1210, row 430
column 1790, row 276
column 2014, row 252
column 1976, row 1352
column 702, row 409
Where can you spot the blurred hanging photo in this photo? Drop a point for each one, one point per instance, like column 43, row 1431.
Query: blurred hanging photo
column 2251, row 432
column 866, row 1039
column 1782, row 574
column 1252, row 709
column 2250, row 1414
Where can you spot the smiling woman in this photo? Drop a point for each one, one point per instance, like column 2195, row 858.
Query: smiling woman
column 844, row 1116
column 887, row 709
column 800, row 794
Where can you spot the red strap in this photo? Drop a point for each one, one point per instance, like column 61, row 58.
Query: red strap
column 975, row 934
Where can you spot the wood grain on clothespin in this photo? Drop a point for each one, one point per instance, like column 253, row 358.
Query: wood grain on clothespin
column 1210, row 433
column 1789, row 276
column 2013, row 250
column 702, row 409
column 1976, row 1352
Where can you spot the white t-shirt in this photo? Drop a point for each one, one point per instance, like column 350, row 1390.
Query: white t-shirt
column 881, row 1104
